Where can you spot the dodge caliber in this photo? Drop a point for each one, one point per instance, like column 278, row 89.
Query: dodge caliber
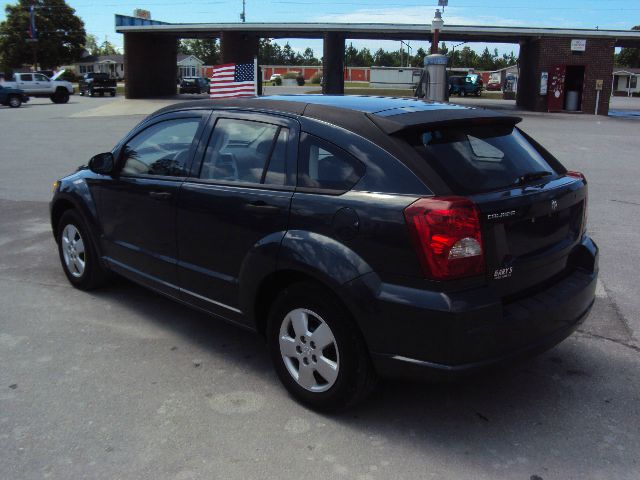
column 362, row 237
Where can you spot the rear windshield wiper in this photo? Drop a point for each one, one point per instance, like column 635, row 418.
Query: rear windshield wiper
column 531, row 176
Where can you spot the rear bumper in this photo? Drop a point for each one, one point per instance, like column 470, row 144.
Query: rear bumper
column 417, row 333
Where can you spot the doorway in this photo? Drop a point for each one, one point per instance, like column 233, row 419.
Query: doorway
column 573, row 87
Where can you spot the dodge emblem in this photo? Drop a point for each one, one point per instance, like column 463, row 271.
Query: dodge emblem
column 554, row 204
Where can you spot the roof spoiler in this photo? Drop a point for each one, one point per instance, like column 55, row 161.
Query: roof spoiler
column 395, row 123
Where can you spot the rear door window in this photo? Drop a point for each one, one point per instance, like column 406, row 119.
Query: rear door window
column 475, row 159
column 246, row 151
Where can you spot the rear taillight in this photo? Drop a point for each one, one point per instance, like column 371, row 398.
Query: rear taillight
column 580, row 176
column 573, row 174
column 447, row 237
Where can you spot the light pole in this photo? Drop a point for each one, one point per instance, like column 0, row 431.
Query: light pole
column 436, row 26
column 402, row 42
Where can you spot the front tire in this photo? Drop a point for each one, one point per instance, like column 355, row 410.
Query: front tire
column 78, row 256
column 15, row 101
column 317, row 351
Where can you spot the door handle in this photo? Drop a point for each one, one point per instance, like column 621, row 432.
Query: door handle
column 260, row 206
column 161, row 195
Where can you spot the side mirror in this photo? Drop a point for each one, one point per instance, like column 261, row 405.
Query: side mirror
column 103, row 163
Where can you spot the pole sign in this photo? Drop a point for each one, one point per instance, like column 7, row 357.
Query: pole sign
column 599, row 84
column 544, row 80
column 578, row 45
column 443, row 3
column 140, row 13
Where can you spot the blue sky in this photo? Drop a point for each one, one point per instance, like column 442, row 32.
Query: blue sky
column 613, row 14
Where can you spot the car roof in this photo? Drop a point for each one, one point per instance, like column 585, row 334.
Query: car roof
column 390, row 114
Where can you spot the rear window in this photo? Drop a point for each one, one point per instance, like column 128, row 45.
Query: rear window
column 475, row 159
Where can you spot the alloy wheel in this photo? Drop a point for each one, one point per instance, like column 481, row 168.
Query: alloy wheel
column 309, row 350
column 73, row 250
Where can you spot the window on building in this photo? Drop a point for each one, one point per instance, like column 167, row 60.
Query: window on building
column 632, row 81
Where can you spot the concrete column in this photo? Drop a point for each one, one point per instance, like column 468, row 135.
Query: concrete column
column 528, row 60
column 149, row 65
column 238, row 47
column 333, row 63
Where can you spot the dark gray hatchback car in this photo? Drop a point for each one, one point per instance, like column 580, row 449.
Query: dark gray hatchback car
column 361, row 236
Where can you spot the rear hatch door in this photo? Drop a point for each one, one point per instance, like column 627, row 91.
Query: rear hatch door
column 530, row 231
column 532, row 212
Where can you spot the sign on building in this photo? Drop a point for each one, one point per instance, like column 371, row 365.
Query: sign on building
column 578, row 45
column 140, row 13
column 544, row 80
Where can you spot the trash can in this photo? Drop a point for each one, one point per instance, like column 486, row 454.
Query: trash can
column 572, row 101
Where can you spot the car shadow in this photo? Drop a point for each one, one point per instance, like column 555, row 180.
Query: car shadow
column 564, row 403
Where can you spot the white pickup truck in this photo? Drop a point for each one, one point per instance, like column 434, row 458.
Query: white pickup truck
column 39, row 85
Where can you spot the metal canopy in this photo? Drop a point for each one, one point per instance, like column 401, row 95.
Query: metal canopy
column 469, row 33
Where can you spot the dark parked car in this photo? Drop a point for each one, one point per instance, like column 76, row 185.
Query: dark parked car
column 97, row 83
column 194, row 85
column 468, row 85
column 12, row 97
column 361, row 236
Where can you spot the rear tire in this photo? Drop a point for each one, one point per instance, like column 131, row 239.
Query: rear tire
column 15, row 101
column 61, row 96
column 80, row 261
column 317, row 350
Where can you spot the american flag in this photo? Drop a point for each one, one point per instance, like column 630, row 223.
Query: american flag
column 233, row 80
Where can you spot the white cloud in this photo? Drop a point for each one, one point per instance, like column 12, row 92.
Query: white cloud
column 419, row 15
column 414, row 15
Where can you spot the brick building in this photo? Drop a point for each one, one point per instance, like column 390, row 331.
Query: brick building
column 583, row 69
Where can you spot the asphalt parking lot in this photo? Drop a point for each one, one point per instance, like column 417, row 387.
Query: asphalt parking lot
column 122, row 383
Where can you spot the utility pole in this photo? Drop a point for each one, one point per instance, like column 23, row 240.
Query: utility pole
column 243, row 16
column 33, row 36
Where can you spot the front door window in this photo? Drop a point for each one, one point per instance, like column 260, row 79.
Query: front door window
column 161, row 149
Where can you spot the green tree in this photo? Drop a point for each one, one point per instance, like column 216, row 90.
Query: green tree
column 351, row 56
column 61, row 34
column 288, row 55
column 629, row 57
column 418, row 59
column 364, row 58
column 382, row 58
column 309, row 58
column 206, row 50
column 485, row 61
column 91, row 45
column 108, row 48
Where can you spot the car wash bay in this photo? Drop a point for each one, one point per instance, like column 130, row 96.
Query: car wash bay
column 560, row 69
